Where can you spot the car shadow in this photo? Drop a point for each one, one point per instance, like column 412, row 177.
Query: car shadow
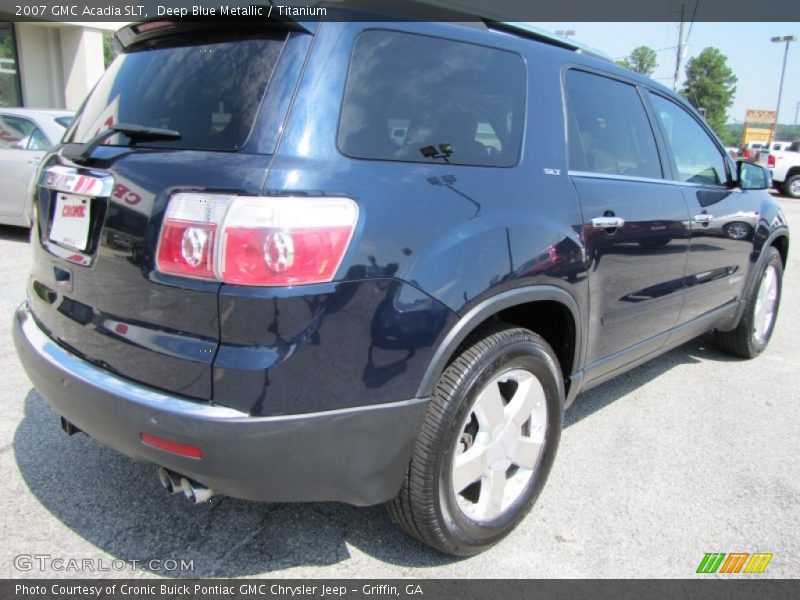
column 10, row 233
column 118, row 505
column 589, row 402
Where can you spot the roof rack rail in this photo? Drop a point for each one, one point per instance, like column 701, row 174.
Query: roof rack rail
column 542, row 35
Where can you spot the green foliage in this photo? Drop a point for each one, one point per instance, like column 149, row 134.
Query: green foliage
column 109, row 53
column 784, row 133
column 732, row 135
column 711, row 84
column 643, row 59
column 788, row 133
column 9, row 91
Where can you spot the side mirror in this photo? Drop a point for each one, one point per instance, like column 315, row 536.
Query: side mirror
column 751, row 176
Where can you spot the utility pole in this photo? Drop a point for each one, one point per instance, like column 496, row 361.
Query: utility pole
column 786, row 39
column 796, row 112
column 680, row 53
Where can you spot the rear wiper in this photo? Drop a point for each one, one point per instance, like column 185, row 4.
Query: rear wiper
column 136, row 133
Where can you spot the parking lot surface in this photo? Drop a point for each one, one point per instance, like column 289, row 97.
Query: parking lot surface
column 693, row 452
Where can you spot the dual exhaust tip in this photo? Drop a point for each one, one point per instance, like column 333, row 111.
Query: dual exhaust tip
column 193, row 491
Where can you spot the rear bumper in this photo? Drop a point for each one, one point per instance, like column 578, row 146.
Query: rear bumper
column 356, row 455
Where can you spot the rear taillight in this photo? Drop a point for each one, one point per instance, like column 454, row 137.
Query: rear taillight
column 771, row 161
column 189, row 235
column 746, row 154
column 259, row 241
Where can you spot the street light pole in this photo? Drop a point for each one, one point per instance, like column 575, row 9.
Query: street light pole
column 796, row 112
column 787, row 39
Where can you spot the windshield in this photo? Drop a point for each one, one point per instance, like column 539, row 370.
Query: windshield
column 209, row 92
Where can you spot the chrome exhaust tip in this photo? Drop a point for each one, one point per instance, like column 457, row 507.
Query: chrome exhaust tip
column 195, row 492
column 172, row 482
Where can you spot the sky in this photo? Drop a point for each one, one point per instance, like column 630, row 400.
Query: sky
column 754, row 59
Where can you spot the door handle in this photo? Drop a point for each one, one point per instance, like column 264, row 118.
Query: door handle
column 607, row 222
column 703, row 219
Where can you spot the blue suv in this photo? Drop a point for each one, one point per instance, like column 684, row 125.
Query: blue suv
column 375, row 262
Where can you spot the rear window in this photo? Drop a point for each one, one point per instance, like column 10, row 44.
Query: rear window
column 609, row 131
column 209, row 92
column 419, row 99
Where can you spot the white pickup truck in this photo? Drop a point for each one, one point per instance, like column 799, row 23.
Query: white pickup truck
column 785, row 168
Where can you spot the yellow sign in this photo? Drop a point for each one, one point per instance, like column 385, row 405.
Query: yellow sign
column 759, row 135
column 761, row 116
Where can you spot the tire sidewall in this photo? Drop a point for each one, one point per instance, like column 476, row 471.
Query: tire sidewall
column 772, row 259
column 787, row 186
column 524, row 354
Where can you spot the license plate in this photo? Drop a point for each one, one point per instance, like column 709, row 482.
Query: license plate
column 71, row 221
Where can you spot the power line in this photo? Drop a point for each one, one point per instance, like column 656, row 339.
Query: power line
column 691, row 23
column 659, row 50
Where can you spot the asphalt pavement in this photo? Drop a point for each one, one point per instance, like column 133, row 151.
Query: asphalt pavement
column 693, row 452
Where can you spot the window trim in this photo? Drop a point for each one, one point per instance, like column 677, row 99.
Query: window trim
column 709, row 133
column 524, row 103
column 661, row 148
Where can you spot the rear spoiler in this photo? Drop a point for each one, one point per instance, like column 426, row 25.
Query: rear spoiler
column 151, row 30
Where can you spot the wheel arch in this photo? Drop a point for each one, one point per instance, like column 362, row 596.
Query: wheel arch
column 795, row 170
column 509, row 306
column 781, row 243
column 778, row 239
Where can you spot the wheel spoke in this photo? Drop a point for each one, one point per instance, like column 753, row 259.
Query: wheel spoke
column 489, row 407
column 526, row 452
column 510, row 432
column 766, row 300
column 490, row 503
column 527, row 397
column 468, row 467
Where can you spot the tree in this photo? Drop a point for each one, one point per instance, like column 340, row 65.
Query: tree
column 643, row 59
column 710, row 84
column 108, row 51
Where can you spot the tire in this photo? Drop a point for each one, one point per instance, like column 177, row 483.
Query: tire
column 498, row 366
column 755, row 328
column 791, row 187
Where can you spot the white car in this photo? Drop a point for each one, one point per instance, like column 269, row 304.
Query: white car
column 784, row 165
column 26, row 134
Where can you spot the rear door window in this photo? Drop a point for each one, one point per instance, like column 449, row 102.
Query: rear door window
column 420, row 99
column 609, row 131
column 208, row 91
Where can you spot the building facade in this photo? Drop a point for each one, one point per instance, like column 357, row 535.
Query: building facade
column 50, row 65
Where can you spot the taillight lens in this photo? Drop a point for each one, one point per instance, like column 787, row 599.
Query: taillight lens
column 771, row 160
column 189, row 234
column 258, row 241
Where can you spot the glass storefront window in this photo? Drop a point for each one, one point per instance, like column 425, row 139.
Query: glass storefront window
column 9, row 70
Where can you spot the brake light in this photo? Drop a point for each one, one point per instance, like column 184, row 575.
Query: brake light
column 771, row 160
column 189, row 233
column 746, row 154
column 258, row 241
